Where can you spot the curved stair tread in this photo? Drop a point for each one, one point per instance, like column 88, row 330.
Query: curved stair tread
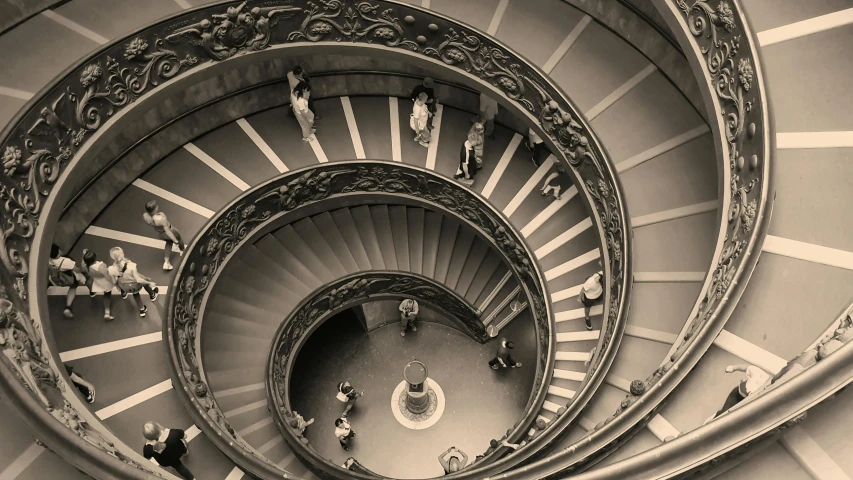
column 503, row 196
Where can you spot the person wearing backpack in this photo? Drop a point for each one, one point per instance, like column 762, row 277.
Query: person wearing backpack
column 100, row 280
column 64, row 272
column 130, row 281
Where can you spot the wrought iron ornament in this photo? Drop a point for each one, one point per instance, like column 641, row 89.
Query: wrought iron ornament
column 38, row 146
column 260, row 207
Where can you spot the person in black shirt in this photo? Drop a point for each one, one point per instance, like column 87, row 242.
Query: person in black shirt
column 431, row 102
column 166, row 446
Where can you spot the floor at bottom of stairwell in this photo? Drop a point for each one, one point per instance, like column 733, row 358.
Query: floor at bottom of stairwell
column 481, row 403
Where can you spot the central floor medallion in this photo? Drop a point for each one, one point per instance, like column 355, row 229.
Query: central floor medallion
column 418, row 401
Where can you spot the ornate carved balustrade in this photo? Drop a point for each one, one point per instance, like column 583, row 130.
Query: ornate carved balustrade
column 41, row 148
column 723, row 53
column 268, row 206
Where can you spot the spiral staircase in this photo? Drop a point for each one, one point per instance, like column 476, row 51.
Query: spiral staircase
column 651, row 122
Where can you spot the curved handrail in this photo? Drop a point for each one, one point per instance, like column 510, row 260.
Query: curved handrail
column 724, row 55
column 59, row 123
column 266, row 206
column 746, row 424
column 328, row 300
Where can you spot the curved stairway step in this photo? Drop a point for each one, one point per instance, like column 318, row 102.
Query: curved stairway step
column 345, row 224
column 385, row 241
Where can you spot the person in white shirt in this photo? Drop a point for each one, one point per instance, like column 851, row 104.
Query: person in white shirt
column 130, row 281
column 100, row 280
column 294, row 78
column 344, row 432
column 165, row 231
column 408, row 315
column 590, row 295
column 299, row 102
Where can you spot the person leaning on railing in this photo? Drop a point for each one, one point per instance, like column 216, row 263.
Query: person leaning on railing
column 297, row 422
column 842, row 334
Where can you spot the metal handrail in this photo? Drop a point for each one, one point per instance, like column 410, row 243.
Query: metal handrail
column 46, row 139
column 275, row 202
column 724, row 55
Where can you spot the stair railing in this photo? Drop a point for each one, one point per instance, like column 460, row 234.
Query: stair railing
column 46, row 140
column 748, row 427
column 282, row 200
column 723, row 53
column 344, row 293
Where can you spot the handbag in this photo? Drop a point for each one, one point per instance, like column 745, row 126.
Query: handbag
column 59, row 277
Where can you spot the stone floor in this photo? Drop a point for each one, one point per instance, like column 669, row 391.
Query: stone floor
column 481, row 403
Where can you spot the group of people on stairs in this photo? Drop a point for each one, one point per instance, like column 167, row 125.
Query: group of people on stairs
column 122, row 274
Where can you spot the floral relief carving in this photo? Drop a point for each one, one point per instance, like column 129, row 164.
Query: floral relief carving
column 21, row 340
column 238, row 30
column 361, row 22
column 488, row 62
column 127, row 83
